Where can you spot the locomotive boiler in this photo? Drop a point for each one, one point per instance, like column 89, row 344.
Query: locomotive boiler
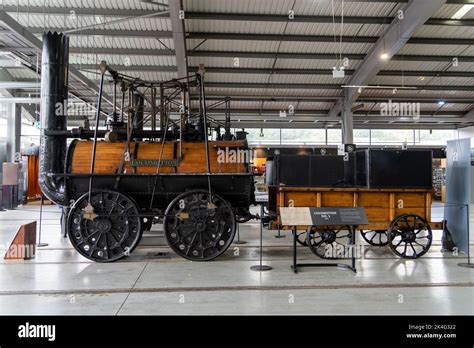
column 115, row 181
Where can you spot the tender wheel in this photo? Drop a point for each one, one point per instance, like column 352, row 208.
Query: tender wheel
column 243, row 215
column 328, row 243
column 301, row 238
column 197, row 230
column 375, row 238
column 111, row 232
column 410, row 236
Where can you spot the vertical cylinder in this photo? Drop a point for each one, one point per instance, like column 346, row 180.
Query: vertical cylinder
column 54, row 94
column 139, row 106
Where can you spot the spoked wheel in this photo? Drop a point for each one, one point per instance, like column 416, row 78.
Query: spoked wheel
column 197, row 228
column 328, row 243
column 375, row 238
column 301, row 238
column 243, row 215
column 410, row 236
column 108, row 233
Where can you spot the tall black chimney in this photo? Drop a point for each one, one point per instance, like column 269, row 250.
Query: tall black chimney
column 54, row 93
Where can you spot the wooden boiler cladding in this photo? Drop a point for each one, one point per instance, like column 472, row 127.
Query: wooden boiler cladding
column 109, row 155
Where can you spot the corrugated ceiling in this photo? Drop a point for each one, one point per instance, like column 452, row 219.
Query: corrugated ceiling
column 66, row 14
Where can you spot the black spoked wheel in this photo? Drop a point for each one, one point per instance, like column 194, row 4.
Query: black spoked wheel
column 375, row 238
column 329, row 243
column 197, row 228
column 301, row 238
column 243, row 215
column 110, row 232
column 410, row 236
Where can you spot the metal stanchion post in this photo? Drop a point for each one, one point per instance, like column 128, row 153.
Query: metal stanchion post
column 40, row 223
column 260, row 267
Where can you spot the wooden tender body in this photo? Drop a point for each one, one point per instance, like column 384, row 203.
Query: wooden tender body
column 400, row 218
column 382, row 206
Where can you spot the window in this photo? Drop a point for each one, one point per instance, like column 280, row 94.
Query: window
column 334, row 136
column 263, row 136
column 3, row 127
column 392, row 136
column 361, row 136
column 434, row 137
column 303, row 136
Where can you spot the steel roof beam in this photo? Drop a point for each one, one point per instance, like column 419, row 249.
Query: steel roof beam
column 321, row 56
column 316, row 19
column 154, row 68
column 316, row 117
column 233, row 54
column 327, row 86
column 416, row 13
column 312, row 125
column 114, row 12
column 122, row 51
column 110, row 32
column 368, row 114
column 328, row 99
column 329, row 72
column 163, row 68
column 326, row 38
column 65, row 11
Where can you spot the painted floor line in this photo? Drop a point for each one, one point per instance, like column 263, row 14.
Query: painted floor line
column 235, row 288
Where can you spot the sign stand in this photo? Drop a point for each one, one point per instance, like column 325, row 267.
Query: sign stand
column 351, row 267
column 293, row 218
column 260, row 267
column 39, row 244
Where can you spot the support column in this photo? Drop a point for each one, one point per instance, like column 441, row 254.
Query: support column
column 14, row 131
column 347, row 123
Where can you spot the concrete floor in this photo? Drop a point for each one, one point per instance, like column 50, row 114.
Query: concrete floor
column 155, row 281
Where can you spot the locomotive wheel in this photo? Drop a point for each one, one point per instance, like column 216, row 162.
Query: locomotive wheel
column 410, row 236
column 197, row 229
column 375, row 238
column 112, row 233
column 320, row 240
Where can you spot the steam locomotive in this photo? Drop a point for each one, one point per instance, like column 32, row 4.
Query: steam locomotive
column 114, row 183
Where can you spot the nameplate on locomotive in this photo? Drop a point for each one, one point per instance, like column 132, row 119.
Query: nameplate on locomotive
column 154, row 163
